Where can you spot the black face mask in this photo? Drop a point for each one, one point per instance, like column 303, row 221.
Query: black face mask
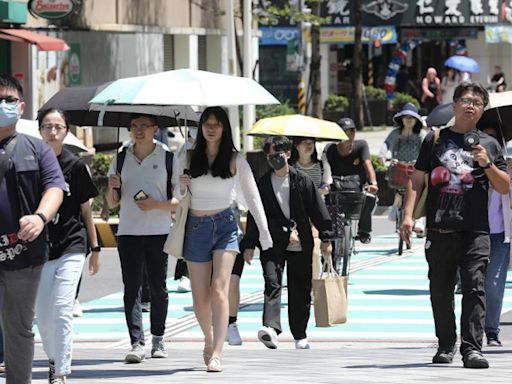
column 276, row 161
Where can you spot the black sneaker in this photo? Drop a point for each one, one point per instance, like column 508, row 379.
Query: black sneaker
column 474, row 359
column 443, row 356
column 493, row 340
column 364, row 237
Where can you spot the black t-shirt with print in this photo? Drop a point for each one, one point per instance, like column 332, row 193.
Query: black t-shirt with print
column 67, row 230
column 351, row 164
column 458, row 187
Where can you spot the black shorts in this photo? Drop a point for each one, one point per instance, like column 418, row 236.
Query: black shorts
column 238, row 267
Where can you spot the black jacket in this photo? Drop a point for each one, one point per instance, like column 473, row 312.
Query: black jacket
column 305, row 204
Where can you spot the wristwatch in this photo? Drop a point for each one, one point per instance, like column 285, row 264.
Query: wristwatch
column 96, row 249
column 488, row 165
column 43, row 217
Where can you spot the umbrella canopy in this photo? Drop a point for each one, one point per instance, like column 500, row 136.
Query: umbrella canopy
column 440, row 115
column 75, row 101
column 184, row 87
column 463, row 63
column 31, row 128
column 298, row 126
column 498, row 114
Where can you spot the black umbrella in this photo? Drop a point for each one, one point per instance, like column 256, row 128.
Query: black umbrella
column 499, row 118
column 440, row 115
column 75, row 101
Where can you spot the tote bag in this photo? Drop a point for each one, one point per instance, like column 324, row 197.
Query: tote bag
column 330, row 297
column 174, row 244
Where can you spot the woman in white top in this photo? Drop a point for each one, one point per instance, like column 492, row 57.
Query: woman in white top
column 211, row 244
column 448, row 84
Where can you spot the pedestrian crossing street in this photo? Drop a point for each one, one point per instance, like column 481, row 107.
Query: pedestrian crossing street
column 388, row 301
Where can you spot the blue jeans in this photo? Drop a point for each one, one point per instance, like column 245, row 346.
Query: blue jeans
column 495, row 279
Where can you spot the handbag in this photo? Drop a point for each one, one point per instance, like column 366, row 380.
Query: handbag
column 174, row 243
column 330, row 296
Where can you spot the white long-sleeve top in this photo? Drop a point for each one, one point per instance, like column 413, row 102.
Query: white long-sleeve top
column 209, row 193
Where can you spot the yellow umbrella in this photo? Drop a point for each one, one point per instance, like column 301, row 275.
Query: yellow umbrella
column 298, row 125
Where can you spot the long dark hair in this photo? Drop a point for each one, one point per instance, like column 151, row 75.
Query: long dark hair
column 295, row 152
column 43, row 114
column 221, row 166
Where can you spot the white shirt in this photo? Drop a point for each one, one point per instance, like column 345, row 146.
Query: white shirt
column 209, row 193
column 149, row 175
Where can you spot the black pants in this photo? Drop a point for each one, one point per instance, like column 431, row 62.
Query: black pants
column 469, row 251
column 135, row 252
column 299, row 289
column 365, row 220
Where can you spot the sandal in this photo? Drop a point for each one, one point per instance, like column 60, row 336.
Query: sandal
column 214, row 365
column 207, row 353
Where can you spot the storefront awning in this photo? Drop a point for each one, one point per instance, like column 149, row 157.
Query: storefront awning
column 43, row 42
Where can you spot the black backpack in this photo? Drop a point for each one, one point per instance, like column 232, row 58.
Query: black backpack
column 169, row 156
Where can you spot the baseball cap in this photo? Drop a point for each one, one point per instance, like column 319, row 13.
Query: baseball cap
column 346, row 123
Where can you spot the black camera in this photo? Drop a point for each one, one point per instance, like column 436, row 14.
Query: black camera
column 470, row 140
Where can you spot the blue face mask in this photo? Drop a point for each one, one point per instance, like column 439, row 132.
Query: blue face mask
column 9, row 114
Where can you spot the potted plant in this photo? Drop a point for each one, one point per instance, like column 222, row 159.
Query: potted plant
column 377, row 105
column 335, row 107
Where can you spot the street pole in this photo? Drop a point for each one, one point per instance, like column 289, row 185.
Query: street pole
column 249, row 110
column 232, row 70
column 301, row 94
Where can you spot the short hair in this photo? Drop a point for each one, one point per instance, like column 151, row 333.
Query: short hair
column 467, row 86
column 135, row 116
column 7, row 81
column 42, row 114
column 279, row 143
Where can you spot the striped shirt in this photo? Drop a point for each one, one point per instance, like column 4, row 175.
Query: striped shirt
column 314, row 172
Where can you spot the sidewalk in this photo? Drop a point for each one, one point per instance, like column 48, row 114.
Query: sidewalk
column 361, row 363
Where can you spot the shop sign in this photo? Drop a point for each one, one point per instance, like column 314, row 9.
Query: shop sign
column 438, row 33
column 278, row 35
column 74, row 65
column 51, row 9
column 345, row 35
column 498, row 34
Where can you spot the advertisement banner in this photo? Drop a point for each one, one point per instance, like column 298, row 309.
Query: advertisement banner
column 498, row 34
column 74, row 67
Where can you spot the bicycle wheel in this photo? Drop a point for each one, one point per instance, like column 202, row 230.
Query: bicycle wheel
column 399, row 217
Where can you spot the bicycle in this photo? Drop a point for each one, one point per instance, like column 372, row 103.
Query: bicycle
column 344, row 202
column 399, row 174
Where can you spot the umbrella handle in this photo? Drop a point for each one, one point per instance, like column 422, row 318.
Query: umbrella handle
column 103, row 110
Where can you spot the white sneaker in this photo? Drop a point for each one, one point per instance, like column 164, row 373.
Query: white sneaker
column 158, row 350
column 77, row 309
column 136, row 355
column 302, row 344
column 184, row 285
column 233, row 335
column 268, row 336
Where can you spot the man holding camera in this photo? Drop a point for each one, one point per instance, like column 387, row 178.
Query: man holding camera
column 460, row 162
column 141, row 187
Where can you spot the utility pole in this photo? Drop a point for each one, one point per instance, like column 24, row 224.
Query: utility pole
column 249, row 110
column 232, row 70
column 301, row 94
column 357, row 66
column 316, row 59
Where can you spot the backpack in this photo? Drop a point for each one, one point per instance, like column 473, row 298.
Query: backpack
column 169, row 156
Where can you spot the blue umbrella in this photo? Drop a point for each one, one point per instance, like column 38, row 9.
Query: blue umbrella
column 462, row 63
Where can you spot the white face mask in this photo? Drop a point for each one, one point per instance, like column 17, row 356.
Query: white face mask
column 9, row 114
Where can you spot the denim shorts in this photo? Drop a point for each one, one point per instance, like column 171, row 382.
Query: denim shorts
column 206, row 234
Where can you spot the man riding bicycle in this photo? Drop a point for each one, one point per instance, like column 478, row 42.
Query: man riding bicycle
column 352, row 157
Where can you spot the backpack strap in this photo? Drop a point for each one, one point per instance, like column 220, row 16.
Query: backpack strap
column 169, row 158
